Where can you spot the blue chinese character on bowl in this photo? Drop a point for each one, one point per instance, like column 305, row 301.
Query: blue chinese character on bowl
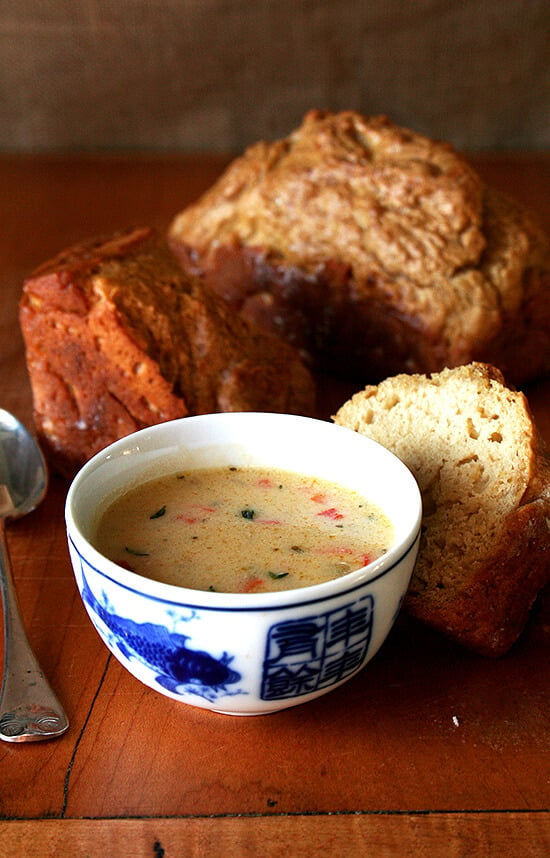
column 317, row 652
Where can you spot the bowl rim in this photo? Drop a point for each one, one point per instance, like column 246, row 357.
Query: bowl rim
column 219, row 600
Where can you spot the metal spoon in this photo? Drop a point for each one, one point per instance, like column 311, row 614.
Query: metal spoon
column 29, row 710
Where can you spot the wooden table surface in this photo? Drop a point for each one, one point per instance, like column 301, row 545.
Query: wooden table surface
column 431, row 750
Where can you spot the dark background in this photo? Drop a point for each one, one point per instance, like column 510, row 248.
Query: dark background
column 217, row 75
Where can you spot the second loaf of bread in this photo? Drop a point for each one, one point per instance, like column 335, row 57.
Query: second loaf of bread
column 375, row 248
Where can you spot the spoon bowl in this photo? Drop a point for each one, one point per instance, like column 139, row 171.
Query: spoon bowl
column 23, row 472
column 29, row 710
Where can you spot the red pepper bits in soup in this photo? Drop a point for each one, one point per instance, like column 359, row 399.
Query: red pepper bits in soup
column 242, row 530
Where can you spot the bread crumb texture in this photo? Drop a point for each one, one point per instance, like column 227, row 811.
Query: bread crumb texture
column 483, row 473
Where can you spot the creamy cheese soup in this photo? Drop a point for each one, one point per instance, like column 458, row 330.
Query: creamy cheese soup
column 242, row 530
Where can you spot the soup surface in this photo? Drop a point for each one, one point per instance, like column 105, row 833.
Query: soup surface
column 239, row 530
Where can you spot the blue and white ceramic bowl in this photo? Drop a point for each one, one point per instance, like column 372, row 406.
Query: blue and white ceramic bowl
column 254, row 653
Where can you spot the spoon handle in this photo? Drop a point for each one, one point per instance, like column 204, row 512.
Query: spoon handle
column 29, row 710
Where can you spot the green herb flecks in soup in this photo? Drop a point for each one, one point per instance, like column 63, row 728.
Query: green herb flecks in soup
column 242, row 530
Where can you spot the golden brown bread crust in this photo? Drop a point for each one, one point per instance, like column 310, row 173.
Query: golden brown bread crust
column 489, row 614
column 484, row 474
column 375, row 248
column 117, row 338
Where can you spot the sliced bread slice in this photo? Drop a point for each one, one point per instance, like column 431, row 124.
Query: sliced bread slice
column 484, row 474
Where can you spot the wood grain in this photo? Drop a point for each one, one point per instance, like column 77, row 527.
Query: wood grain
column 438, row 835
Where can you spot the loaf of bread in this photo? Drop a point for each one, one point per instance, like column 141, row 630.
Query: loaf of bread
column 118, row 337
column 376, row 249
column 484, row 475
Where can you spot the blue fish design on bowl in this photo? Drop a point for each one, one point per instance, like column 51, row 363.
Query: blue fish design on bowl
column 177, row 667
